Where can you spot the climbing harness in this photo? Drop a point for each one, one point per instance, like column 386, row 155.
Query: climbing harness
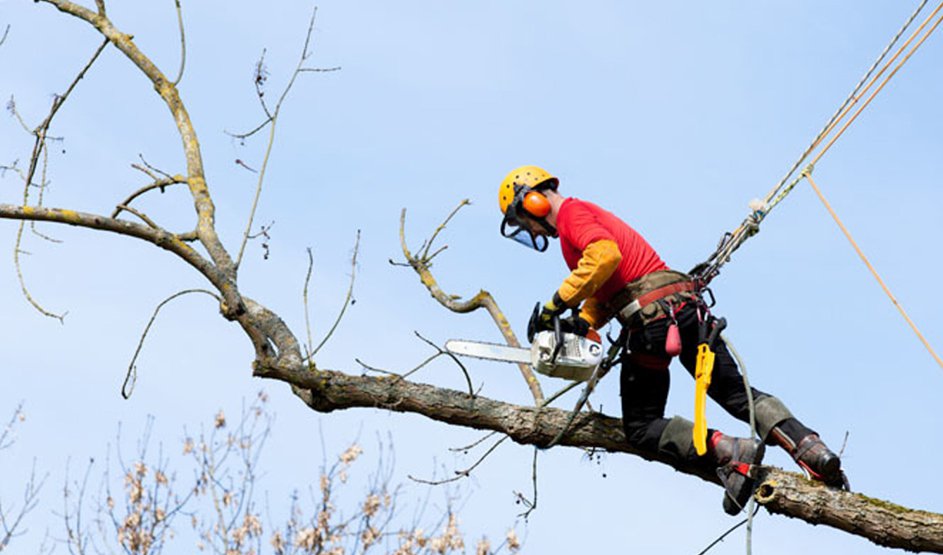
column 696, row 287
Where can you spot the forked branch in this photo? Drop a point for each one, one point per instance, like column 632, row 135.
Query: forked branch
column 422, row 263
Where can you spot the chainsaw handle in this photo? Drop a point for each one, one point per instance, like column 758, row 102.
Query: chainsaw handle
column 557, row 338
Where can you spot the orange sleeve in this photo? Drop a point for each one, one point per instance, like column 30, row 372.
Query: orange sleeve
column 598, row 262
column 595, row 312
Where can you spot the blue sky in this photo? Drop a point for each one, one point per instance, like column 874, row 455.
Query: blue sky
column 673, row 116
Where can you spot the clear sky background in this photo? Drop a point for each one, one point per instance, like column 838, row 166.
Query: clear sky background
column 672, row 115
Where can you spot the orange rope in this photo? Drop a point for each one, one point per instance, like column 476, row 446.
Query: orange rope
column 867, row 263
column 884, row 82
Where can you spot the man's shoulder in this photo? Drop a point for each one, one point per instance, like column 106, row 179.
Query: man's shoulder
column 578, row 205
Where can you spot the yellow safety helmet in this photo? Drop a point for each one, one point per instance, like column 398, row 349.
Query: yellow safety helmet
column 531, row 177
column 523, row 204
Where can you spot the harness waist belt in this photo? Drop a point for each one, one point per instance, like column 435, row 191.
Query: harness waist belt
column 648, row 298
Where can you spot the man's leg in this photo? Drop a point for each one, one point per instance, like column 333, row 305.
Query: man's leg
column 775, row 424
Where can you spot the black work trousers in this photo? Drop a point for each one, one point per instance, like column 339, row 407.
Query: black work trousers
column 645, row 380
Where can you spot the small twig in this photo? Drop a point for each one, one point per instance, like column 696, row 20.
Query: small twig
column 17, row 251
column 531, row 504
column 439, row 352
column 319, row 69
column 11, row 106
column 8, row 430
column 725, row 534
column 149, row 169
column 567, row 388
column 137, row 213
column 844, row 444
column 473, row 445
column 247, row 134
column 263, row 232
column 370, row 368
column 239, row 162
column 421, row 365
column 306, row 305
column 425, row 253
column 131, row 377
column 272, row 120
column 483, row 299
column 6, row 32
column 183, row 42
column 30, row 501
column 348, row 299
column 454, row 358
column 459, row 474
column 40, row 151
column 43, row 184
column 57, row 103
column 100, row 4
column 159, row 183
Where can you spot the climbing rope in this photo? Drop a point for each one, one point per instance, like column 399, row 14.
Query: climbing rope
column 731, row 241
column 808, row 175
column 850, row 100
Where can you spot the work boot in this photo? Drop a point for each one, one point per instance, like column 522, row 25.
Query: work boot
column 819, row 461
column 736, row 458
column 814, row 457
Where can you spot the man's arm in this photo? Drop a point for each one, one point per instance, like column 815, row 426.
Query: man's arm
column 597, row 264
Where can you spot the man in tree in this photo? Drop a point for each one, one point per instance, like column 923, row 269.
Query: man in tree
column 615, row 273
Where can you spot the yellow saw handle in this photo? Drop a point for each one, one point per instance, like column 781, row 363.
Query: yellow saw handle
column 702, row 376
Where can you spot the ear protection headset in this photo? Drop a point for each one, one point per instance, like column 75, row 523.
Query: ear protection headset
column 536, row 204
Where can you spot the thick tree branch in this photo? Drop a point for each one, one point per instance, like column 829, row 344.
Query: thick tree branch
column 781, row 492
column 157, row 236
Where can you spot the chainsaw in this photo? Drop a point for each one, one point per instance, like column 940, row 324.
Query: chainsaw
column 559, row 353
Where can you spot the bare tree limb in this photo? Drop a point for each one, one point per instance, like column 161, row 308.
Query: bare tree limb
column 348, row 298
column 131, row 376
column 272, row 120
column 459, row 474
column 780, row 492
column 161, row 183
column 11, row 518
column 183, row 43
column 203, row 203
column 483, row 299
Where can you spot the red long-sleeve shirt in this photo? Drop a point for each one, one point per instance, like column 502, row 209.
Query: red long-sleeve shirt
column 581, row 224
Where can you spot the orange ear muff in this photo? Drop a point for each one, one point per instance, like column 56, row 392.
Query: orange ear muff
column 536, row 204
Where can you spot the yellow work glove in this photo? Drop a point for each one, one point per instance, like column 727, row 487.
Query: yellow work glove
column 552, row 308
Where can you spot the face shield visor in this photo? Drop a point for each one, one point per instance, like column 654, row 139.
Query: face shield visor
column 524, row 228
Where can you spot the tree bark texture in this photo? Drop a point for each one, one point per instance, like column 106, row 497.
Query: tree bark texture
column 779, row 491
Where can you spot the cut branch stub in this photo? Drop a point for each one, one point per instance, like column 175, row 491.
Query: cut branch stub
column 882, row 522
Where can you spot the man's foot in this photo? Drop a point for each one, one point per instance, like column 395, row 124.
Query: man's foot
column 819, row 461
column 737, row 458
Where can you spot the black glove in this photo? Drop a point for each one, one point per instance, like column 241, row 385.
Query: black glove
column 575, row 324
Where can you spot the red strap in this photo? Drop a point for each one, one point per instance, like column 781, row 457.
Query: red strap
column 662, row 292
column 742, row 468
